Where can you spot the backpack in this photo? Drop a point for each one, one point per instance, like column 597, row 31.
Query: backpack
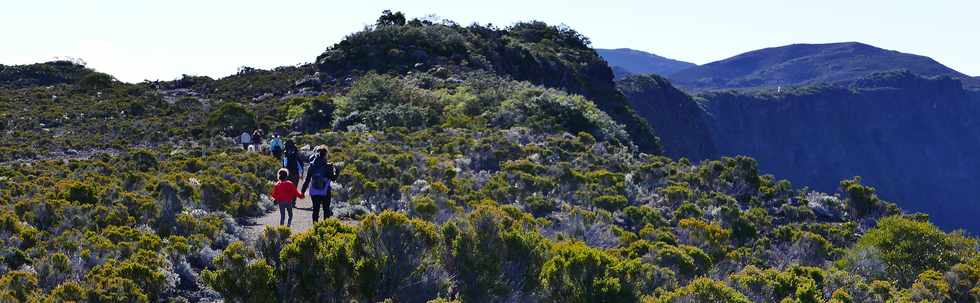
column 319, row 182
column 322, row 173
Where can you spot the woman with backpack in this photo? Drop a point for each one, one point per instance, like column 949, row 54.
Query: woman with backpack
column 318, row 178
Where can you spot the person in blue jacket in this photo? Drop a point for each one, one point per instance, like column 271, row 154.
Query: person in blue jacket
column 275, row 146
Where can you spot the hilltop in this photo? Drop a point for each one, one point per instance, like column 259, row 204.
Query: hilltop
column 51, row 73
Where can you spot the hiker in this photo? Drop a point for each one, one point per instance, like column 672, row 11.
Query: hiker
column 284, row 193
column 292, row 161
column 318, row 178
column 275, row 146
column 245, row 140
column 257, row 139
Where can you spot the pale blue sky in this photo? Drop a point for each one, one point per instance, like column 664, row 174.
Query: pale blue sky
column 136, row 40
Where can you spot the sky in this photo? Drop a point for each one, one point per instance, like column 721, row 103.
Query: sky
column 138, row 40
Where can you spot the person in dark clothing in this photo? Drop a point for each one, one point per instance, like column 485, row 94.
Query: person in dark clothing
column 292, row 161
column 318, row 178
column 257, row 137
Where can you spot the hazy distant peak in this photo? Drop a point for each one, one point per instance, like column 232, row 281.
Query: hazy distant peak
column 634, row 61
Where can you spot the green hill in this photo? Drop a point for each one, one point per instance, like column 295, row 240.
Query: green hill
column 555, row 57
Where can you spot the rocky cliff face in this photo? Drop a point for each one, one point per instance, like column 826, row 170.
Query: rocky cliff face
column 917, row 140
column 686, row 125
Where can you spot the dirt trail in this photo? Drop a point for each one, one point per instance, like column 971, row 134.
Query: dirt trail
column 302, row 218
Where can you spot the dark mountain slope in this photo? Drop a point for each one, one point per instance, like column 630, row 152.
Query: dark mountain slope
column 806, row 64
column 915, row 139
column 619, row 72
column 688, row 134
column 640, row 62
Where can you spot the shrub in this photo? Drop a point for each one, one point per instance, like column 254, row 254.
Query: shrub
column 510, row 271
column 241, row 277
column 688, row 211
column 638, row 217
column 709, row 236
column 702, row 290
column 964, row 280
column 318, row 265
column 384, row 101
column 425, row 207
column 232, row 119
column 611, row 202
column 862, row 200
column 69, row 292
column 909, row 248
column 19, row 285
column 271, row 243
column 310, row 115
column 394, row 258
column 144, row 160
column 930, row 286
column 138, row 276
column 217, row 193
column 81, row 192
column 540, row 205
column 578, row 273
column 117, row 289
column 96, row 81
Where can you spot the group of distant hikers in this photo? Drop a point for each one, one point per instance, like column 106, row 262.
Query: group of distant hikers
column 319, row 174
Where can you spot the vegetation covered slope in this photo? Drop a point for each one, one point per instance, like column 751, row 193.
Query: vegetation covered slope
column 556, row 57
column 637, row 62
column 459, row 185
column 799, row 64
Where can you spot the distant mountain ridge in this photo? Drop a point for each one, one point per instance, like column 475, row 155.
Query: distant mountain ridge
column 637, row 62
column 800, row 64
